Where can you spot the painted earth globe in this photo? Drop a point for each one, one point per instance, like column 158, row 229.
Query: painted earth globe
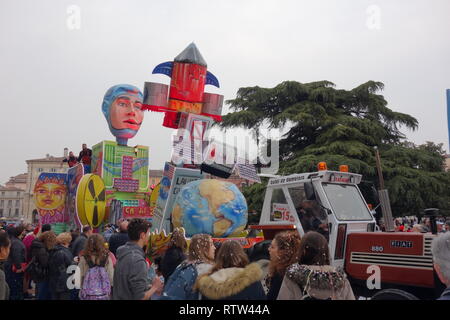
column 210, row 206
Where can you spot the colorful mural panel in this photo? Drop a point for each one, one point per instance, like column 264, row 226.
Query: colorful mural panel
column 50, row 193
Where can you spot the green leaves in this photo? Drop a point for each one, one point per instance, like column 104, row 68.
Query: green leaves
column 342, row 127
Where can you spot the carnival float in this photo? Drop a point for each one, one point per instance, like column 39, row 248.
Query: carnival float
column 188, row 196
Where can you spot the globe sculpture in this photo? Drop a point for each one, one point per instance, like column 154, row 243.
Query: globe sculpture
column 210, row 206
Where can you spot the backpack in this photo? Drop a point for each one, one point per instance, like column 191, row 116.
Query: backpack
column 96, row 284
column 36, row 271
column 180, row 284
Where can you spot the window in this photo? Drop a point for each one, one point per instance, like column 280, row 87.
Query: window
column 17, row 203
column 9, row 203
column 40, row 169
column 297, row 195
column 17, row 212
column 18, row 194
column 311, row 215
column 52, row 170
column 1, row 212
column 2, row 203
column 3, row 193
column 346, row 202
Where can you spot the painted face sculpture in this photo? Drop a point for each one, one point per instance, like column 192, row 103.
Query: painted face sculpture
column 50, row 196
column 122, row 107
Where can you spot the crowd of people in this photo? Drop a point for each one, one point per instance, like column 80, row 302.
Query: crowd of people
column 415, row 224
column 114, row 265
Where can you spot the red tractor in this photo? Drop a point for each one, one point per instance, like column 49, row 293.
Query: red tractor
column 331, row 203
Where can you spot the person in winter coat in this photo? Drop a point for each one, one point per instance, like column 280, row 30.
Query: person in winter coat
column 71, row 160
column 119, row 239
column 30, row 235
column 440, row 248
column 181, row 284
column 40, row 251
column 175, row 254
column 15, row 266
column 313, row 278
column 95, row 254
column 5, row 245
column 85, row 158
column 78, row 245
column 60, row 259
column 283, row 252
column 131, row 272
column 28, row 240
column 232, row 277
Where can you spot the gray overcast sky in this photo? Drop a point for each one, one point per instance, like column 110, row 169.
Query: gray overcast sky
column 53, row 78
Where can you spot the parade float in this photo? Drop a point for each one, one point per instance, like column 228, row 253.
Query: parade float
column 188, row 195
column 118, row 186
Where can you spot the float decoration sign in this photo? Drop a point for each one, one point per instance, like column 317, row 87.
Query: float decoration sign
column 281, row 212
column 50, row 193
column 74, row 176
column 137, row 212
column 121, row 167
column 173, row 180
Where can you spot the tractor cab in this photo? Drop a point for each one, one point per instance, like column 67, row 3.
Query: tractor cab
column 328, row 202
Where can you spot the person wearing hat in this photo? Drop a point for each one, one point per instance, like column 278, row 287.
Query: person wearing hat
column 27, row 241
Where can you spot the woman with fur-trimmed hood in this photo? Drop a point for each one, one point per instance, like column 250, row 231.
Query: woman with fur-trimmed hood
column 313, row 278
column 232, row 277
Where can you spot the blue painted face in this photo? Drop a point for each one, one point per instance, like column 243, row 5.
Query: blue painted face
column 122, row 107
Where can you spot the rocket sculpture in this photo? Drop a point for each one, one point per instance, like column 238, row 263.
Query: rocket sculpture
column 189, row 75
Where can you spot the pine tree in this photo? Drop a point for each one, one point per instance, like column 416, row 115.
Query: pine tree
column 343, row 127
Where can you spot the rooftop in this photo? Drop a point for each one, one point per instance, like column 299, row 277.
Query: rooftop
column 2, row 188
column 48, row 158
column 19, row 177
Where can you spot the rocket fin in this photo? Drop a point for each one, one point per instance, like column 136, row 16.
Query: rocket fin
column 164, row 68
column 211, row 79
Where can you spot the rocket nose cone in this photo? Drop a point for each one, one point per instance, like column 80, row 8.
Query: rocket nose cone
column 191, row 55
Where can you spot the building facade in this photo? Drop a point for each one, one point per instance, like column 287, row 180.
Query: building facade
column 19, row 181
column 11, row 202
column 35, row 168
